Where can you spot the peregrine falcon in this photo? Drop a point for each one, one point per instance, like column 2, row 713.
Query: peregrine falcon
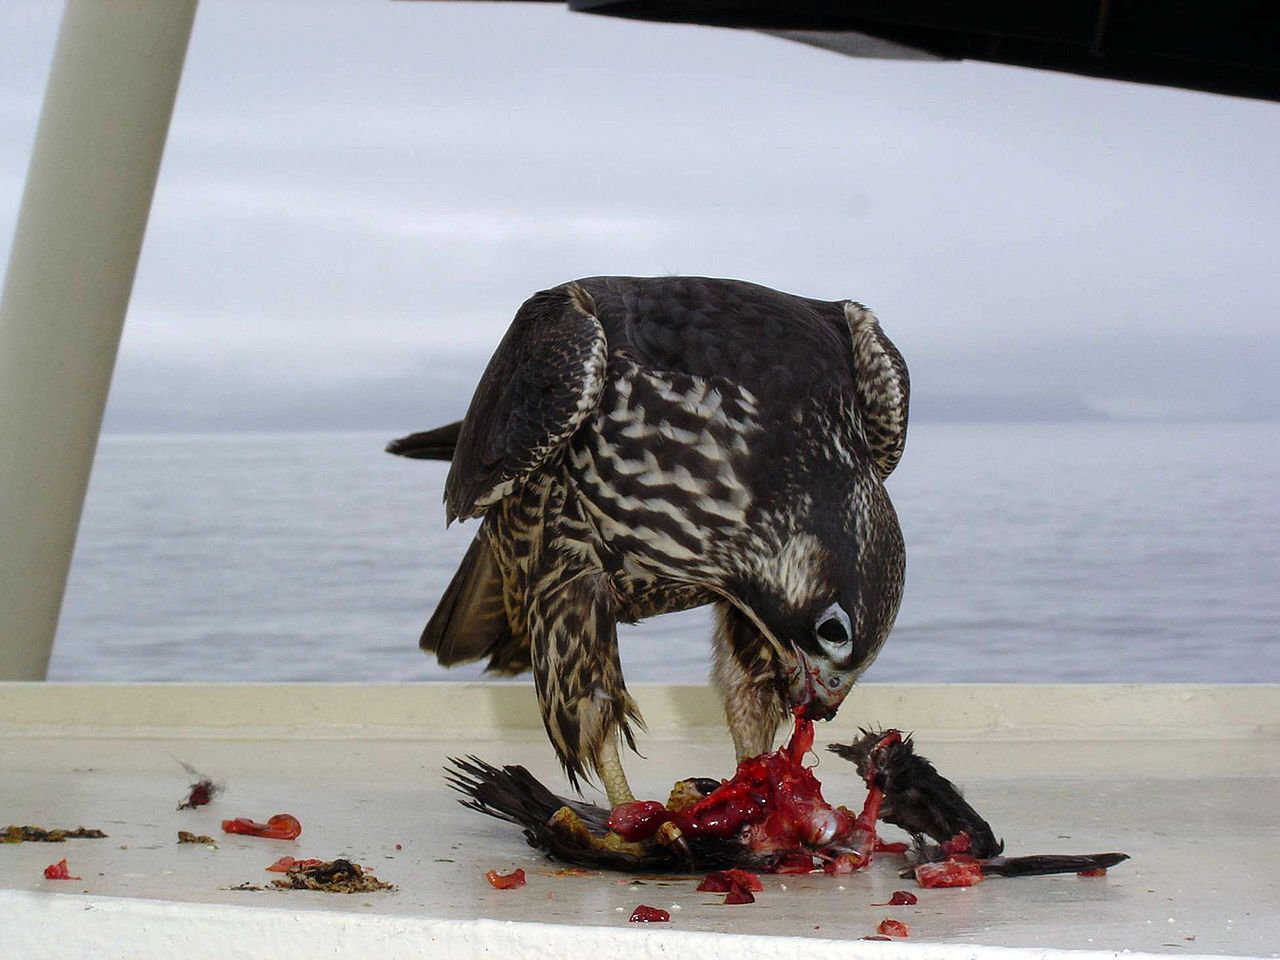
column 638, row 446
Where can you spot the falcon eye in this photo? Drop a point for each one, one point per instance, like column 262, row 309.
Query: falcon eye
column 833, row 627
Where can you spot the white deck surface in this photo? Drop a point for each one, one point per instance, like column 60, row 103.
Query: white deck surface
column 1186, row 779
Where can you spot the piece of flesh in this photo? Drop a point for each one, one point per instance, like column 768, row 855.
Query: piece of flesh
column 951, row 872
column 505, row 881
column 892, row 928
column 283, row 826
column 773, row 804
column 723, row 881
column 58, row 871
column 900, row 898
column 644, row 914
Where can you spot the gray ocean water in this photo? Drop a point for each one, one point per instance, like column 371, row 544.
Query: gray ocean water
column 1036, row 552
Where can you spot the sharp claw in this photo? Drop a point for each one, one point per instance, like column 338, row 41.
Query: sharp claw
column 681, row 846
column 671, row 838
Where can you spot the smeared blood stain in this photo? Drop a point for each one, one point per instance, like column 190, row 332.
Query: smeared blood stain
column 508, row 881
column 643, row 914
column 285, row 864
column 283, row 826
column 900, row 898
column 58, row 871
column 951, row 872
column 892, row 928
column 1097, row 872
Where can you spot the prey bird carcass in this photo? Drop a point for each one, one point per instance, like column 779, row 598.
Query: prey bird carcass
column 644, row 445
column 771, row 816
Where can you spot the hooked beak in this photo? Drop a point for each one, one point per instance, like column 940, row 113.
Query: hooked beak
column 815, row 693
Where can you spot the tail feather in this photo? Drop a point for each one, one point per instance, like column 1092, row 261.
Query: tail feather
column 1038, row 865
column 437, row 444
column 470, row 621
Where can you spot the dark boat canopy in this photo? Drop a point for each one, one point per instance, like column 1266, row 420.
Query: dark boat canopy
column 1219, row 46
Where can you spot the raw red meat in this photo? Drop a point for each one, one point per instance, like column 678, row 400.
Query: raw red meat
column 58, row 871
column 508, row 881
column 883, row 846
column 643, row 914
column 725, row 880
column 892, row 928
column 900, row 898
column 639, row 819
column 775, row 804
column 773, row 801
column 282, row 826
column 737, row 884
column 951, row 872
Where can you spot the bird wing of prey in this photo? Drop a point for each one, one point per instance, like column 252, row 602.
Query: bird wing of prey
column 544, row 379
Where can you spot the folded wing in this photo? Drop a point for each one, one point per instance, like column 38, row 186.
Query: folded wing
column 544, row 380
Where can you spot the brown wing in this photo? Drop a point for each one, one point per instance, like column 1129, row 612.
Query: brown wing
column 543, row 381
column 882, row 386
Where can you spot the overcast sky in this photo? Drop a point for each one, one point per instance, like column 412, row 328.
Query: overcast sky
column 357, row 195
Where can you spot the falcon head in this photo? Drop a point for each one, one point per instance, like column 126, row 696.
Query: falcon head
column 825, row 594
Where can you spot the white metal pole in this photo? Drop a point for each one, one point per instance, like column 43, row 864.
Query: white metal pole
column 93, row 170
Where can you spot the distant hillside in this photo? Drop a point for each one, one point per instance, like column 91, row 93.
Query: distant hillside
column 163, row 405
column 976, row 408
